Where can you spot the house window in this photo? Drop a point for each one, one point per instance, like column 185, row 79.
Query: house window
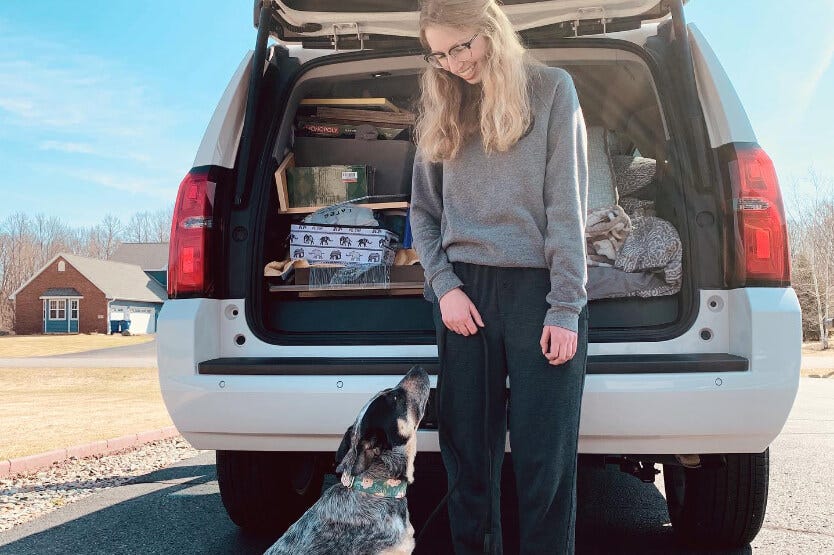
column 74, row 309
column 61, row 266
column 57, row 309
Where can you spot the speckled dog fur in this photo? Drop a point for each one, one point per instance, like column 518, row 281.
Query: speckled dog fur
column 381, row 444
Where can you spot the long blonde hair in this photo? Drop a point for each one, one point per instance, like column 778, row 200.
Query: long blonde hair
column 451, row 110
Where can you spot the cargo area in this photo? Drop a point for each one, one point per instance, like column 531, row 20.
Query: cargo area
column 355, row 118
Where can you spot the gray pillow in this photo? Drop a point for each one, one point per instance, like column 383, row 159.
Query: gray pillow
column 601, row 191
column 633, row 173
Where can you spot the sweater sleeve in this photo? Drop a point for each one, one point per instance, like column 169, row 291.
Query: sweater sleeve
column 565, row 200
column 426, row 214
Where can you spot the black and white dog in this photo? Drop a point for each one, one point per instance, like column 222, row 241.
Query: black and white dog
column 367, row 512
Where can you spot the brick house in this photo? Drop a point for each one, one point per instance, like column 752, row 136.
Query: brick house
column 76, row 294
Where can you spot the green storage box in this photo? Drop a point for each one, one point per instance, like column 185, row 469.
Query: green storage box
column 326, row 185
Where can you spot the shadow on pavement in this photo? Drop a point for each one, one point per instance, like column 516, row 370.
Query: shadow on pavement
column 183, row 514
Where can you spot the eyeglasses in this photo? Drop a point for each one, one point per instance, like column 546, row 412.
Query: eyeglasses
column 461, row 53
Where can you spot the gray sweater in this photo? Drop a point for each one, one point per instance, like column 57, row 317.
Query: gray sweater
column 521, row 208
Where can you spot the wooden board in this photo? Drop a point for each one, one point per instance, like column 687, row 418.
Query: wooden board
column 394, row 288
column 373, row 206
column 365, row 116
column 377, row 103
column 281, row 182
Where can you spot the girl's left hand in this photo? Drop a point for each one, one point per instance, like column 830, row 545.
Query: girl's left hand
column 558, row 344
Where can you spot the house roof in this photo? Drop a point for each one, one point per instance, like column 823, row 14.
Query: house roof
column 148, row 256
column 62, row 292
column 127, row 282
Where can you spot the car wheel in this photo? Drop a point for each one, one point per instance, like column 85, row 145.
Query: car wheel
column 265, row 490
column 722, row 506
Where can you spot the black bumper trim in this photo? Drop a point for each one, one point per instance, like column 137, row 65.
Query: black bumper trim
column 597, row 364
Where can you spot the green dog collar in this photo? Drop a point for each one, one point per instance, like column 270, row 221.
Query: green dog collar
column 389, row 487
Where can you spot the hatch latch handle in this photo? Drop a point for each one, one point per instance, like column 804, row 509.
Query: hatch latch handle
column 582, row 13
column 339, row 26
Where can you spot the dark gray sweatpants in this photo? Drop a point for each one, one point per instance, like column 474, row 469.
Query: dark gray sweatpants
column 543, row 405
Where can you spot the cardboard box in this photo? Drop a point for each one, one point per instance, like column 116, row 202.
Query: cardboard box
column 408, row 274
column 338, row 244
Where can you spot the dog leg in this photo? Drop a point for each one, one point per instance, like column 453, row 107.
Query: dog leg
column 411, row 454
column 406, row 546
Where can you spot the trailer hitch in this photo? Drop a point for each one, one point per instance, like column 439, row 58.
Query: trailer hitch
column 639, row 469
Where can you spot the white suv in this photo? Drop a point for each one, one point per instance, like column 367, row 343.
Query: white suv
column 269, row 375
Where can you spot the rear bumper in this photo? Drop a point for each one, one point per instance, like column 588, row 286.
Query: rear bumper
column 677, row 408
column 644, row 414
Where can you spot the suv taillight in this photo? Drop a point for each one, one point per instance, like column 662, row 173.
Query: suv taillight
column 189, row 255
column 757, row 237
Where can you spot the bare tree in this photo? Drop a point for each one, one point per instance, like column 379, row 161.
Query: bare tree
column 162, row 224
column 811, row 218
column 103, row 239
column 19, row 255
column 138, row 229
column 28, row 242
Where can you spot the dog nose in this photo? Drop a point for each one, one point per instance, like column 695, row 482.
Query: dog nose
column 417, row 372
column 417, row 379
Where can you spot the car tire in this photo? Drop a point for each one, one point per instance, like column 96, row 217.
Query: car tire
column 268, row 491
column 718, row 507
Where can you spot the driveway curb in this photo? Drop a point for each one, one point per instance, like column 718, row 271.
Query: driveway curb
column 22, row 465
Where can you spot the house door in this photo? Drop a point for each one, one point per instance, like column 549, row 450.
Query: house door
column 60, row 315
column 73, row 316
column 56, row 316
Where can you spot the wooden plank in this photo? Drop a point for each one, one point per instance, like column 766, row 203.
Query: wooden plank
column 373, row 206
column 281, row 181
column 380, row 103
column 394, row 288
column 365, row 116
column 405, row 292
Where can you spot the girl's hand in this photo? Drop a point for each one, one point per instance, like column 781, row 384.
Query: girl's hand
column 459, row 314
column 558, row 344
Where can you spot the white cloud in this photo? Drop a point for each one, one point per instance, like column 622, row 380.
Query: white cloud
column 54, row 98
column 158, row 188
column 84, row 148
column 67, row 147
column 807, row 89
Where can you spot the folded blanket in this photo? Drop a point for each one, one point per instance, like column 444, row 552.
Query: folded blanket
column 283, row 268
column 605, row 231
column 406, row 257
column 635, row 207
column 652, row 246
column 611, row 283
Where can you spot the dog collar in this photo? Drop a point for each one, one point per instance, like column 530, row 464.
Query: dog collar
column 389, row 487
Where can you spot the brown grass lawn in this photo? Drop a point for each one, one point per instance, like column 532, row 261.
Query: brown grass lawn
column 49, row 408
column 816, row 362
column 42, row 409
column 45, row 345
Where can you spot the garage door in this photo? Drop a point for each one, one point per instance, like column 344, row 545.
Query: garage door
column 142, row 320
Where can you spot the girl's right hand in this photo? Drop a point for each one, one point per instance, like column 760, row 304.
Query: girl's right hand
column 459, row 313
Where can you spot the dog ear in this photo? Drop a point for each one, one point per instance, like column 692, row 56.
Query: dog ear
column 370, row 446
column 345, row 450
column 345, row 445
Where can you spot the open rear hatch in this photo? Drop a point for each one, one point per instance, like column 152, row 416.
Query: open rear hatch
column 387, row 23
column 293, row 316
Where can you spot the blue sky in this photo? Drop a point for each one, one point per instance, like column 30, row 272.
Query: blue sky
column 103, row 104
